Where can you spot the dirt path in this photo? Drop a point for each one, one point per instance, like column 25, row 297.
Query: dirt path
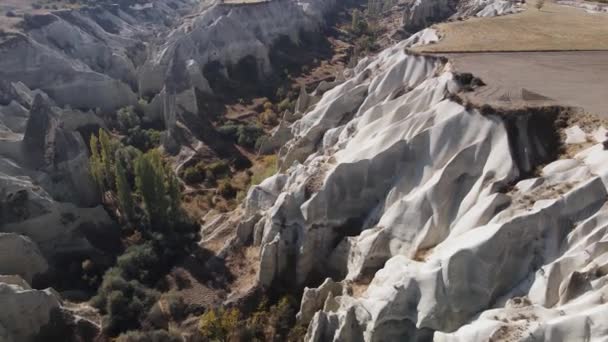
column 576, row 78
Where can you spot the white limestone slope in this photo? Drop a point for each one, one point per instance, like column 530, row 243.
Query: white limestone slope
column 387, row 179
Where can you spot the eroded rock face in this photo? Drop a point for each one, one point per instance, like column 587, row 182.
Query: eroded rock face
column 110, row 55
column 93, row 52
column 228, row 34
column 24, row 311
column 387, row 179
column 46, row 193
column 20, row 256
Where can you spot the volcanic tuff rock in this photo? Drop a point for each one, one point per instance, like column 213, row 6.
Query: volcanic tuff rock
column 102, row 58
column 228, row 33
column 111, row 55
column 20, row 256
column 24, row 311
column 93, row 52
column 404, row 197
column 46, row 192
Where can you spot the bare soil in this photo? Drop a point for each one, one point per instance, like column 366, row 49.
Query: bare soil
column 520, row 79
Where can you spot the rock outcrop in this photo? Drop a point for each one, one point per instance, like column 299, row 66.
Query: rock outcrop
column 20, row 256
column 24, row 311
column 46, row 193
column 226, row 36
column 92, row 51
column 426, row 212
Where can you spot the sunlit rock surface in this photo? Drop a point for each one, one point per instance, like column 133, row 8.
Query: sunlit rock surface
column 424, row 212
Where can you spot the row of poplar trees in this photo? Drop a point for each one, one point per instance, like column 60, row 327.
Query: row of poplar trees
column 122, row 169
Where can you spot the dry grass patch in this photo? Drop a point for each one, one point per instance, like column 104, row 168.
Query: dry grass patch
column 263, row 168
column 554, row 27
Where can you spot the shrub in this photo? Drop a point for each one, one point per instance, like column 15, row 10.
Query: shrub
column 193, row 175
column 176, row 306
column 275, row 323
column 248, row 135
column 219, row 168
column 244, row 135
column 123, row 303
column 229, row 130
column 225, row 189
column 149, row 336
column 365, row 43
column 269, row 118
column 143, row 139
column 139, row 262
column 269, row 167
column 284, row 105
column 219, row 325
column 358, row 25
column 127, row 118
column 281, row 92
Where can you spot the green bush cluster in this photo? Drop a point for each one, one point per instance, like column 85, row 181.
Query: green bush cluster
column 225, row 189
column 143, row 139
column 127, row 118
column 206, row 172
column 149, row 336
column 149, row 198
column 286, row 104
column 365, row 33
column 123, row 303
column 267, row 323
column 244, row 135
column 220, row 324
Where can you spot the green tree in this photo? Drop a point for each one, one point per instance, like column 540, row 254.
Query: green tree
column 150, row 183
column 218, row 326
column 175, row 195
column 95, row 164
column 123, row 190
column 127, row 118
column 107, row 152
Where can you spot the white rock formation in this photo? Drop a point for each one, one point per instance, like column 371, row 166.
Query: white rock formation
column 111, row 55
column 93, row 52
column 46, row 192
column 20, row 256
column 488, row 8
column 387, row 178
column 24, row 311
column 228, row 33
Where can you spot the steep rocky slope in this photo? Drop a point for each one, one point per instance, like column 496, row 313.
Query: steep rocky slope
column 432, row 218
column 401, row 212
column 62, row 74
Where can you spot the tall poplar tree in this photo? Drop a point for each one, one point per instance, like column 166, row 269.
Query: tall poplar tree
column 95, row 165
column 123, row 190
column 150, row 183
